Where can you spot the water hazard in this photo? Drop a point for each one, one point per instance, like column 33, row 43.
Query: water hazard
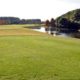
column 42, row 29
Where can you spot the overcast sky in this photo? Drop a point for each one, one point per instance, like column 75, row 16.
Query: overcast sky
column 43, row 9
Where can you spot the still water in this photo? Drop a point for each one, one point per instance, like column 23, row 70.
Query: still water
column 42, row 29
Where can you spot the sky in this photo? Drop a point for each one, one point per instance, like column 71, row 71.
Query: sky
column 32, row 9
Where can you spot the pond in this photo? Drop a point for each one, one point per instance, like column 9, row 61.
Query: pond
column 42, row 29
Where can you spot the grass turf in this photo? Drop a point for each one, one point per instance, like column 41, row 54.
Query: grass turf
column 18, row 30
column 39, row 58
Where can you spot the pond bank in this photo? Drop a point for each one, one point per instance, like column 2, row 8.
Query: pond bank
column 42, row 29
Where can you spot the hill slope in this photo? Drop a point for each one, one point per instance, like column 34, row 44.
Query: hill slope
column 69, row 23
column 73, row 15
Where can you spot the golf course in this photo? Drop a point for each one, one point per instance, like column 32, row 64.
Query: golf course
column 26, row 54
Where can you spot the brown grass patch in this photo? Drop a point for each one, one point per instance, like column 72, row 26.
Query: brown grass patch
column 20, row 31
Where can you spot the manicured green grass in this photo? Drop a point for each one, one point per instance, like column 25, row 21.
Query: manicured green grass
column 39, row 58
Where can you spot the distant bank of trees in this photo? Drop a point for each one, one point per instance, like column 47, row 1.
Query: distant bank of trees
column 9, row 20
column 16, row 20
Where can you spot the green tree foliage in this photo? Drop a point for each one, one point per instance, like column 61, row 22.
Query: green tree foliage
column 67, row 26
column 77, row 15
column 69, row 22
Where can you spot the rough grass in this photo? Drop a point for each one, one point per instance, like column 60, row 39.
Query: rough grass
column 18, row 30
column 17, row 26
column 39, row 58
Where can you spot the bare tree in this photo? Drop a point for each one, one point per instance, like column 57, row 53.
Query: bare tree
column 47, row 25
column 52, row 26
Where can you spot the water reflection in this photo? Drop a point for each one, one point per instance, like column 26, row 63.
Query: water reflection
column 42, row 29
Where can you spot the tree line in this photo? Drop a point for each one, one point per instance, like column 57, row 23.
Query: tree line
column 16, row 20
column 63, row 25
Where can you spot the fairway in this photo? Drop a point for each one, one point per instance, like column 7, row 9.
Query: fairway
column 39, row 58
